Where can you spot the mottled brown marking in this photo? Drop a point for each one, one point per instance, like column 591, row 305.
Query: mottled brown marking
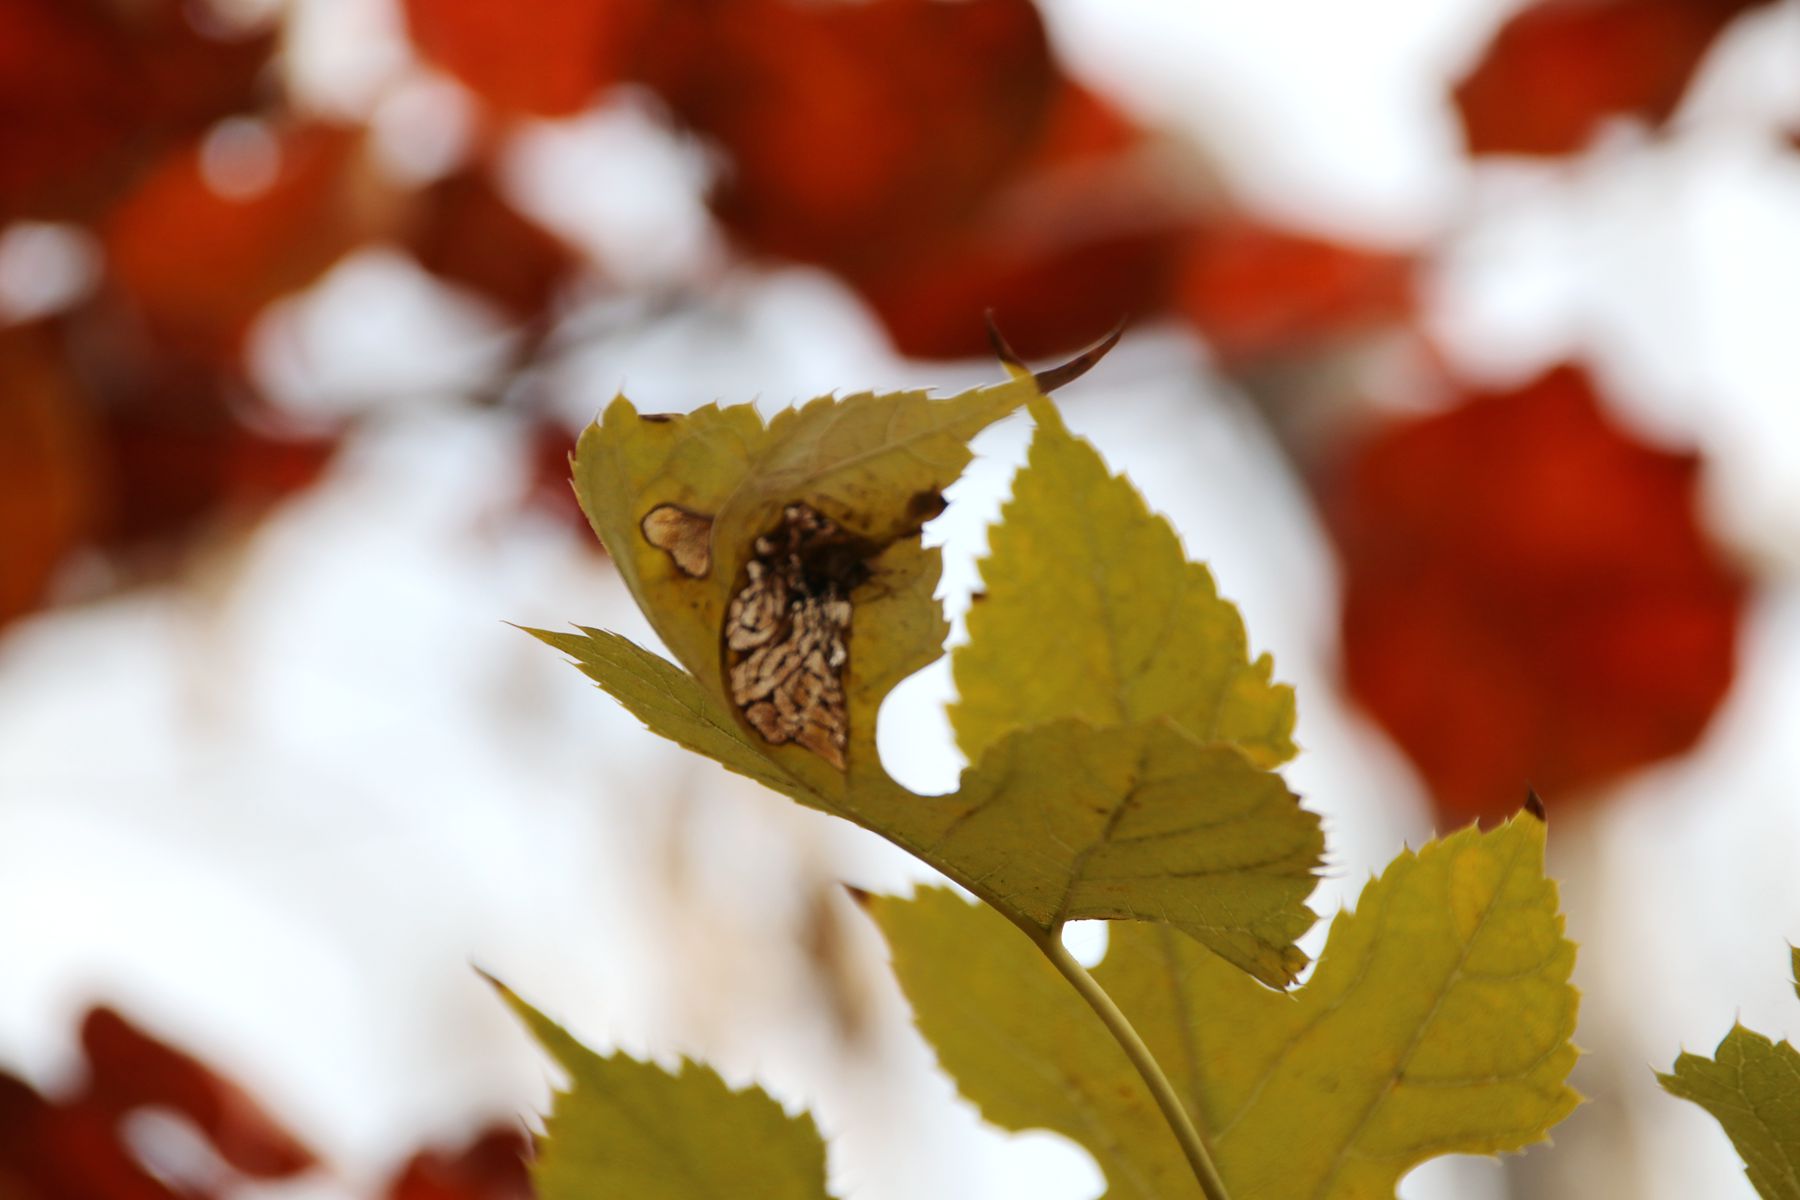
column 787, row 632
column 925, row 505
column 685, row 536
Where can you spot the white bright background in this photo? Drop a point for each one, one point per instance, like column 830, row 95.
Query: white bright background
column 276, row 815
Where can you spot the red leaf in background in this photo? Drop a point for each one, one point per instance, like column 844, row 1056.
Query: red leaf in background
column 181, row 447
column 71, row 1148
column 90, row 89
column 128, row 1069
column 549, row 450
column 1528, row 596
column 491, row 1168
column 467, row 233
column 1258, row 293
column 548, row 58
column 854, row 132
column 46, row 460
column 1088, row 232
column 200, row 265
column 183, row 463
column 1560, row 68
column 187, row 446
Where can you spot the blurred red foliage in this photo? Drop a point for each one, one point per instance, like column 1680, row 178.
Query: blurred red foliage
column 72, row 1148
column 200, row 264
column 492, row 1167
column 46, row 476
column 548, row 60
column 464, row 231
column 92, row 89
column 1529, row 597
column 75, row 1147
column 1258, row 293
column 1087, row 233
column 109, row 442
column 855, row 133
column 1557, row 70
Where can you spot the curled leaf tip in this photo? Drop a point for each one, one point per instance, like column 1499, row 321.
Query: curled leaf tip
column 1049, row 380
column 1534, row 804
column 1002, row 348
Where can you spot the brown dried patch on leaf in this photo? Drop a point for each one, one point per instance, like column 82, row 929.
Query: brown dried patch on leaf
column 686, row 537
column 787, row 632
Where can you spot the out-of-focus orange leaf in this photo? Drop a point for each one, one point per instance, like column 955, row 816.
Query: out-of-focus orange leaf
column 185, row 446
column 467, row 233
column 181, row 446
column 177, row 469
column 129, row 1069
column 89, row 89
column 1560, row 68
column 1529, row 597
column 492, row 1167
column 853, row 132
column 1258, row 293
column 1088, row 233
column 548, row 58
column 46, row 461
column 71, row 1148
column 200, row 265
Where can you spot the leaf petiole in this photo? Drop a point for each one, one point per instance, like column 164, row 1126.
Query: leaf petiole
column 1193, row 1145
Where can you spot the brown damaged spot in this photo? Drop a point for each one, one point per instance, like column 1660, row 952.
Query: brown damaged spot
column 658, row 418
column 787, row 632
column 924, row 506
column 685, row 536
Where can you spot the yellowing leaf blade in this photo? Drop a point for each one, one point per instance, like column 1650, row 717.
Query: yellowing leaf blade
column 672, row 703
column 1065, row 822
column 1751, row 1086
column 1020, row 1044
column 629, row 1128
column 875, row 463
column 1437, row 1022
column 1091, row 610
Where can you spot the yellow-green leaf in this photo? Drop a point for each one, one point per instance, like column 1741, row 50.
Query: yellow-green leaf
column 1437, row 1022
column 1146, row 819
column 672, row 702
column 624, row 1128
column 1091, row 610
column 1058, row 823
column 1065, row 822
column 1751, row 1086
column 873, row 463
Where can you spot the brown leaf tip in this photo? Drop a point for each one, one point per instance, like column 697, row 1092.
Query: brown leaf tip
column 1048, row 381
column 859, row 897
column 1055, row 377
column 1002, row 348
column 1534, row 804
